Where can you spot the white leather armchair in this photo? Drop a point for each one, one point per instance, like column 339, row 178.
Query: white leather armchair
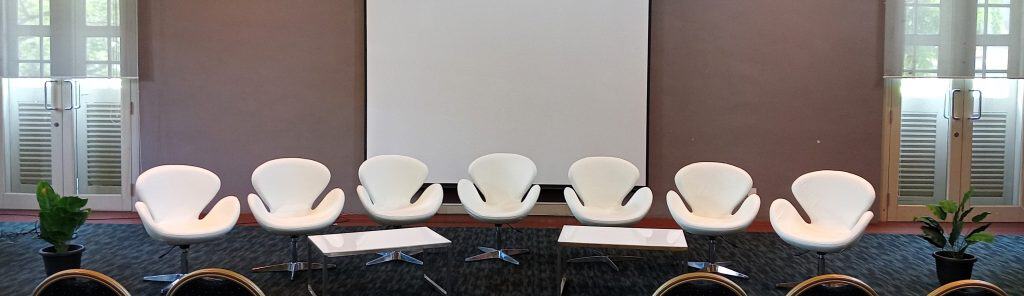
column 713, row 190
column 171, row 197
column 837, row 204
column 287, row 189
column 389, row 183
column 599, row 185
column 503, row 178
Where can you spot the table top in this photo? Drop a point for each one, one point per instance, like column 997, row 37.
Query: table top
column 369, row 242
column 622, row 238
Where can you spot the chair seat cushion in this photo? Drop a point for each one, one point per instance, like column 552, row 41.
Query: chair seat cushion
column 497, row 213
column 620, row 216
column 295, row 223
column 817, row 238
column 403, row 215
column 190, row 232
column 712, row 226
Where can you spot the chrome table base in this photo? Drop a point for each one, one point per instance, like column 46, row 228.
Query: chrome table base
column 163, row 277
column 503, row 254
column 607, row 259
column 717, row 267
column 396, row 256
column 291, row 267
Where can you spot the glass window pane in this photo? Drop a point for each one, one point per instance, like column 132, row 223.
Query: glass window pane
column 115, row 13
column 45, row 8
column 926, row 57
column 998, row 20
column 979, row 58
column 928, row 20
column 96, row 48
column 96, row 13
column 28, row 48
column 46, row 48
column 28, row 70
column 28, row 12
column 996, row 57
column 980, row 28
column 96, row 70
column 46, row 69
column 115, row 49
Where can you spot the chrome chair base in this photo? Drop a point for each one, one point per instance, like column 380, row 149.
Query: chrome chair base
column 503, row 254
column 163, row 277
column 717, row 267
column 396, row 256
column 291, row 267
column 607, row 259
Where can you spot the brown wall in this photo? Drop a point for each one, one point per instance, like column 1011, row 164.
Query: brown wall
column 228, row 85
column 778, row 87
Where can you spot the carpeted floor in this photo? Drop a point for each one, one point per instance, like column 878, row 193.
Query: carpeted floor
column 892, row 264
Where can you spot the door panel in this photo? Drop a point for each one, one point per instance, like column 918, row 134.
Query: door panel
column 994, row 128
column 923, row 141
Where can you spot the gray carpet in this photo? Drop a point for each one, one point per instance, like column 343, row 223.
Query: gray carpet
column 892, row 264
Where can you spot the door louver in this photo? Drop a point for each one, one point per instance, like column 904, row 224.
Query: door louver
column 918, row 140
column 988, row 155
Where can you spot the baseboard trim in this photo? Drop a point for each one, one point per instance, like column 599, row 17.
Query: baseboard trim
column 540, row 209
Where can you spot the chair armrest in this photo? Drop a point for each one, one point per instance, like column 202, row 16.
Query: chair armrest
column 784, row 216
column 257, row 207
column 862, row 224
column 531, row 197
column 431, row 198
column 641, row 202
column 225, row 212
column 331, row 204
column 364, row 197
column 573, row 201
column 748, row 210
column 677, row 208
column 468, row 195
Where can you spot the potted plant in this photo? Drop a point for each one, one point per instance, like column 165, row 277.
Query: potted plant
column 952, row 263
column 59, row 218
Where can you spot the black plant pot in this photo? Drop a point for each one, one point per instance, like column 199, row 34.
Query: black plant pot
column 56, row 262
column 951, row 269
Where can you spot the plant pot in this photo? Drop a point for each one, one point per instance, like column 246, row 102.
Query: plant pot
column 56, row 262
column 950, row 269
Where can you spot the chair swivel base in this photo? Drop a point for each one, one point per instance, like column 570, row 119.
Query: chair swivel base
column 291, row 267
column 396, row 256
column 608, row 259
column 503, row 254
column 165, row 278
column 717, row 267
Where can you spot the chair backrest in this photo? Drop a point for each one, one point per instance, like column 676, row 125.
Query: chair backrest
column 699, row 283
column 290, row 184
column 603, row 182
column 176, row 192
column 81, row 282
column 214, row 281
column 503, row 177
column 713, row 189
column 832, row 285
column 833, row 198
column 968, row 287
column 392, row 180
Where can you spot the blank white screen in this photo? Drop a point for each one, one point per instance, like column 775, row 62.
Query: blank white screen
column 555, row 80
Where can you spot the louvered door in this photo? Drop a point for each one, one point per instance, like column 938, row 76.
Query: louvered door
column 947, row 136
column 76, row 137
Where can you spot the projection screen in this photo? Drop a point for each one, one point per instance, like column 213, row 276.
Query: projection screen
column 554, row 80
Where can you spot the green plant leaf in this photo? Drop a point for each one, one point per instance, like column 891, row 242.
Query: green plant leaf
column 933, row 236
column 948, row 206
column 937, row 211
column 980, row 217
column 59, row 217
column 983, row 236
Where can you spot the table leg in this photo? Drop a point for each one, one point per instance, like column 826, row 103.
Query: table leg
column 562, row 278
column 432, row 283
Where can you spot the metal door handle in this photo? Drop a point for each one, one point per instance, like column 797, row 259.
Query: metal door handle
column 952, row 104
column 980, row 99
column 76, row 96
column 46, row 95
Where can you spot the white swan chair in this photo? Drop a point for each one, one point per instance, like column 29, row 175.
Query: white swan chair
column 286, row 189
column 599, row 185
column 389, row 183
column 171, row 197
column 837, row 204
column 713, row 190
column 503, row 179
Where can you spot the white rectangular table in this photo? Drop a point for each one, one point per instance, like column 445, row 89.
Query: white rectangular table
column 371, row 242
column 671, row 240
